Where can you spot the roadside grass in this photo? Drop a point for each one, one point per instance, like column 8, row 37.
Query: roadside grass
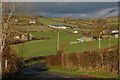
column 33, row 62
column 82, row 73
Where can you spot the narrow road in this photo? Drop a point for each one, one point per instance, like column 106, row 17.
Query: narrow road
column 35, row 71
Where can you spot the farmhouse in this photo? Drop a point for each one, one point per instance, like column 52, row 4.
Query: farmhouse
column 75, row 31
column 115, row 31
column 32, row 22
column 60, row 26
column 84, row 39
column 23, row 37
column 113, row 34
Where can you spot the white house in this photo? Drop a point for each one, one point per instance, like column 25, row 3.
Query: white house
column 32, row 22
column 115, row 31
column 75, row 31
column 116, row 36
column 23, row 37
column 84, row 39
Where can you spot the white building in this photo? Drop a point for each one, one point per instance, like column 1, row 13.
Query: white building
column 115, row 31
column 116, row 36
column 32, row 22
column 60, row 26
column 75, row 31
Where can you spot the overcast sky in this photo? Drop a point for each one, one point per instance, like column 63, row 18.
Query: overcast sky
column 75, row 9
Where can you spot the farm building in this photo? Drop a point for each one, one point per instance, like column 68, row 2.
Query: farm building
column 23, row 37
column 32, row 22
column 75, row 31
column 84, row 39
column 60, row 26
column 115, row 31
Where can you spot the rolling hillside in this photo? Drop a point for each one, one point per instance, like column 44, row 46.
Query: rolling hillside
column 47, row 47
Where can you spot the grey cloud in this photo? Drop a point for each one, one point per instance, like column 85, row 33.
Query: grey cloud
column 71, row 7
column 75, row 9
column 95, row 14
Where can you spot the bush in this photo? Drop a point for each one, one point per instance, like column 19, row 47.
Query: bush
column 10, row 62
column 40, row 37
column 95, row 61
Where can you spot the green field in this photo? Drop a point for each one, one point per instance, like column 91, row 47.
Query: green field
column 93, row 45
column 34, row 28
column 44, row 47
column 48, row 47
column 48, row 22
column 58, row 19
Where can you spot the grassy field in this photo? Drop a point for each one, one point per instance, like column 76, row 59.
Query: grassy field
column 93, row 45
column 44, row 47
column 47, row 47
column 58, row 19
column 33, row 28
column 48, row 22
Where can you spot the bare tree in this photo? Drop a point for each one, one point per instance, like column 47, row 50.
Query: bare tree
column 0, row 39
column 9, row 11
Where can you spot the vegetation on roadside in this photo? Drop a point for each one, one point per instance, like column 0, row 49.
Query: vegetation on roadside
column 33, row 62
column 99, row 61
column 82, row 73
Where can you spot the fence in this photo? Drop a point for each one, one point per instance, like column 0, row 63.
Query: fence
column 95, row 61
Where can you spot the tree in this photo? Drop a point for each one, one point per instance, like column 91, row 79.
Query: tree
column 9, row 11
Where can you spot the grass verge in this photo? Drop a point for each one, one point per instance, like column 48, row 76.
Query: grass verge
column 82, row 73
column 33, row 62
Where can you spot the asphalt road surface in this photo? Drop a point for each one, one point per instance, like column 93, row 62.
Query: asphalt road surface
column 35, row 72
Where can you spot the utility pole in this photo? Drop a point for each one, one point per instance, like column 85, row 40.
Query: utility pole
column 119, row 39
column 58, row 37
column 99, row 42
column 109, row 41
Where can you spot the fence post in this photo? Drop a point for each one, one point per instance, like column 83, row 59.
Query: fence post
column 6, row 65
column 62, row 60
